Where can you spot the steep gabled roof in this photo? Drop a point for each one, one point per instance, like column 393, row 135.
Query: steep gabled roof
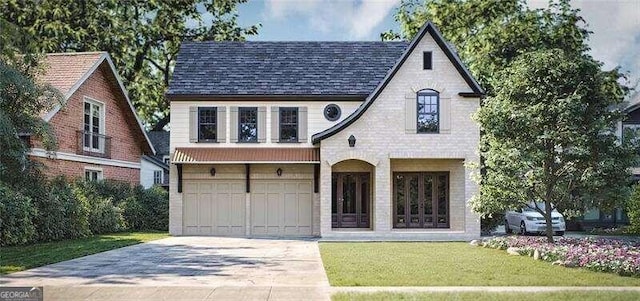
column 64, row 71
column 68, row 71
column 476, row 90
column 237, row 69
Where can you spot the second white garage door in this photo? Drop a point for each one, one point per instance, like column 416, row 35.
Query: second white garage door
column 281, row 208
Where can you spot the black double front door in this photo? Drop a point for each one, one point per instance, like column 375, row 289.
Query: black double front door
column 350, row 200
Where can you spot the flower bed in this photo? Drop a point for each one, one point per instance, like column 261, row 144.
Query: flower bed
column 596, row 254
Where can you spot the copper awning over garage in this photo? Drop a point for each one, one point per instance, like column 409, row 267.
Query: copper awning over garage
column 201, row 155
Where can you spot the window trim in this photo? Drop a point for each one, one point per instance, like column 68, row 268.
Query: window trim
column 215, row 114
column 161, row 178
column 280, row 109
column 240, row 109
column 102, row 126
column 427, row 92
column 167, row 159
column 98, row 170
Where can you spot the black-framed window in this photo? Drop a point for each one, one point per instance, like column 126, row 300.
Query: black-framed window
column 207, row 124
column 288, row 124
column 428, row 112
column 248, row 124
column 427, row 61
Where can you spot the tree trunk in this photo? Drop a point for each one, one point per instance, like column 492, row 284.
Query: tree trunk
column 548, row 221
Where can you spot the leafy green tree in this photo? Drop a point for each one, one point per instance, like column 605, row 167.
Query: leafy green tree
column 489, row 34
column 22, row 99
column 143, row 37
column 549, row 132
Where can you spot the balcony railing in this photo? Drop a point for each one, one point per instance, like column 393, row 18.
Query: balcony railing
column 93, row 144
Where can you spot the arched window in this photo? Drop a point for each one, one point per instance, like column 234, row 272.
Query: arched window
column 428, row 111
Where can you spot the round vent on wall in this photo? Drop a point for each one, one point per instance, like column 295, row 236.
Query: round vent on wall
column 332, row 112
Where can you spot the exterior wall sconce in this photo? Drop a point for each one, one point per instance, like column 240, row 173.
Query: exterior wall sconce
column 352, row 141
column 212, row 171
column 279, row 172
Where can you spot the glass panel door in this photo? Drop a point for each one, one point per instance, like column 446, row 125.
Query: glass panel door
column 428, row 201
column 415, row 219
column 350, row 200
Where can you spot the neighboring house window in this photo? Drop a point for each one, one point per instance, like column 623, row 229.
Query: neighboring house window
column 428, row 112
column 207, row 124
column 94, row 139
column 288, row 124
column 631, row 132
column 157, row 177
column 92, row 174
column 165, row 159
column 248, row 125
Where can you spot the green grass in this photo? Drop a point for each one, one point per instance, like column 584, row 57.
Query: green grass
column 448, row 264
column 19, row 258
column 490, row 296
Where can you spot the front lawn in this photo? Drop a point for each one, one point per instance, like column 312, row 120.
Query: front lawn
column 488, row 296
column 448, row 264
column 19, row 258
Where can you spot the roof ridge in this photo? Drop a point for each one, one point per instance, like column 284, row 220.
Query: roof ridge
column 284, row 42
column 75, row 53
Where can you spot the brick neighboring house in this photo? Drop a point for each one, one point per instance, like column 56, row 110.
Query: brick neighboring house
column 99, row 134
column 343, row 140
column 155, row 169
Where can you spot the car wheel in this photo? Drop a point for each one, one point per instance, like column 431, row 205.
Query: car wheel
column 523, row 228
column 506, row 227
column 560, row 233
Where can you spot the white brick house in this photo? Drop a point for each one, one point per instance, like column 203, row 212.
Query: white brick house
column 343, row 140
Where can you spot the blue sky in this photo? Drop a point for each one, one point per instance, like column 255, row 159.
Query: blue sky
column 615, row 23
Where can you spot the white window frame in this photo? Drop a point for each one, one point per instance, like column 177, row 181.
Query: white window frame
column 101, row 130
column 100, row 174
column 161, row 178
column 166, row 159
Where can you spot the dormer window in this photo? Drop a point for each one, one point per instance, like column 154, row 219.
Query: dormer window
column 428, row 111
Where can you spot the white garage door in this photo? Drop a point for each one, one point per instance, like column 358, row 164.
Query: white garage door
column 281, row 208
column 214, row 207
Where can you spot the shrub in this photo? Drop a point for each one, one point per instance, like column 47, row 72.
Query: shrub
column 16, row 215
column 104, row 217
column 63, row 215
column 147, row 209
column 633, row 210
column 489, row 223
column 156, row 202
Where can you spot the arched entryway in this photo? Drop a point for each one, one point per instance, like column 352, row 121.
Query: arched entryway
column 351, row 194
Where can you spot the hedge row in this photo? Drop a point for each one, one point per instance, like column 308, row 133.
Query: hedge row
column 59, row 209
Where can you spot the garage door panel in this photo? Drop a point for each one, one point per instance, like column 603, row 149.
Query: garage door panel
column 305, row 209
column 214, row 207
column 279, row 208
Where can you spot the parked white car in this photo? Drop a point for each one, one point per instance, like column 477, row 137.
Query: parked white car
column 527, row 220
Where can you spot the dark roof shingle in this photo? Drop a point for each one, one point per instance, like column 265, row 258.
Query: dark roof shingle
column 283, row 68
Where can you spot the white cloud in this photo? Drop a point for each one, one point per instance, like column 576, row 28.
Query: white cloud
column 616, row 31
column 357, row 18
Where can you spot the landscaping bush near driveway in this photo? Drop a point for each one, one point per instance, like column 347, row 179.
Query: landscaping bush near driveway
column 596, row 254
column 60, row 209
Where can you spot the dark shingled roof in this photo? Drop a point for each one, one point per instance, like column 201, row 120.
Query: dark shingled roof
column 160, row 141
column 283, row 68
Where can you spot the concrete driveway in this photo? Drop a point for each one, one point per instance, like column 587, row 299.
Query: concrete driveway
column 195, row 268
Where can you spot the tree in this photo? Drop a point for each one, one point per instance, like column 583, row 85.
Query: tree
column 22, row 99
column 489, row 34
column 143, row 37
column 550, row 138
